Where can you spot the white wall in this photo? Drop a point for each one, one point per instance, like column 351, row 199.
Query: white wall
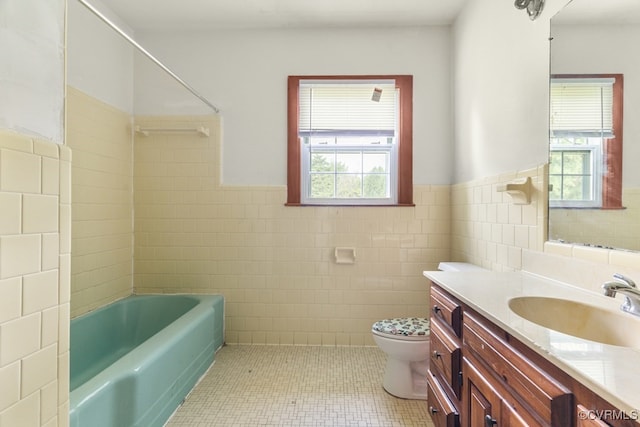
column 501, row 89
column 99, row 61
column 245, row 74
column 606, row 49
column 32, row 67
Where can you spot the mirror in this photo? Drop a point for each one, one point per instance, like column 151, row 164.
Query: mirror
column 594, row 179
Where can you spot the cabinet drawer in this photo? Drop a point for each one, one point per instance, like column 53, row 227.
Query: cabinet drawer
column 442, row 411
column 446, row 356
column 447, row 310
column 548, row 398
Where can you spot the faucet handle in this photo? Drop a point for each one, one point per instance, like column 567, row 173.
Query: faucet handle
column 624, row 279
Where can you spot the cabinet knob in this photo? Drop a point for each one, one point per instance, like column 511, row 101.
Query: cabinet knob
column 436, row 309
column 433, row 410
column 436, row 355
column 489, row 422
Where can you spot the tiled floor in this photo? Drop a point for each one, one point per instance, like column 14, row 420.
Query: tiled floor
column 297, row 386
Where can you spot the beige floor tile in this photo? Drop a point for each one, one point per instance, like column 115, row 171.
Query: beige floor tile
column 297, row 386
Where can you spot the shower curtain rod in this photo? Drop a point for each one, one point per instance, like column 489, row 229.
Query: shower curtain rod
column 147, row 54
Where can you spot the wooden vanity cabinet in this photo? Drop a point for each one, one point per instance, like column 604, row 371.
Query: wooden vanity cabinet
column 477, row 379
column 444, row 378
column 528, row 389
column 500, row 381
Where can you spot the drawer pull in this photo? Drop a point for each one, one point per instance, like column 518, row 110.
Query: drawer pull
column 433, row 410
column 436, row 309
column 436, row 355
column 489, row 422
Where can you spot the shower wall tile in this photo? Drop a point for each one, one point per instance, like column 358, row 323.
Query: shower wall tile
column 49, row 405
column 50, row 251
column 39, row 291
column 275, row 264
column 24, row 413
column 10, row 390
column 50, row 326
column 33, row 347
column 20, row 254
column 20, row 172
column 39, row 369
column 101, row 213
column 11, row 213
column 19, row 338
column 10, row 299
column 37, row 213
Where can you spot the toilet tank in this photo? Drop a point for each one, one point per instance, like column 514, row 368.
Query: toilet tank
column 459, row 266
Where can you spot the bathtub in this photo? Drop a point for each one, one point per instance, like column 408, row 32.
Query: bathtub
column 134, row 361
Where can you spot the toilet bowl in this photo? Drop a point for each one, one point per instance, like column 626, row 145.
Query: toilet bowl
column 406, row 343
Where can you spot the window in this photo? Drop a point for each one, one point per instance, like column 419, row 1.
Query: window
column 349, row 140
column 585, row 165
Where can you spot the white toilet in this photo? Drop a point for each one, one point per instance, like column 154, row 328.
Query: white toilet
column 406, row 343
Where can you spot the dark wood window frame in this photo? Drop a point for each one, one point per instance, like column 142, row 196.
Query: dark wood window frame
column 612, row 149
column 404, row 83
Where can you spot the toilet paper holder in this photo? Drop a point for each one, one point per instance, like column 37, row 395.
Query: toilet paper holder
column 345, row 255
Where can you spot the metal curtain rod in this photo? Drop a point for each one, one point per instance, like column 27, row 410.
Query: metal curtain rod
column 147, row 54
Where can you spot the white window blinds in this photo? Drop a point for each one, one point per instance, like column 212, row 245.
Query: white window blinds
column 582, row 107
column 347, row 107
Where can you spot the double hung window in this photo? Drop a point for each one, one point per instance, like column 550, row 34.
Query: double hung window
column 349, row 140
column 585, row 139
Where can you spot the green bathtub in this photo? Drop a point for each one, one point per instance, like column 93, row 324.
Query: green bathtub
column 134, row 361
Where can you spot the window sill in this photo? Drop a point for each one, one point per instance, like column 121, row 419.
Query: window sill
column 598, row 208
column 348, row 205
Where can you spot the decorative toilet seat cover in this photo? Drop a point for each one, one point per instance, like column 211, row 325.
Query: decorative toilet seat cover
column 404, row 326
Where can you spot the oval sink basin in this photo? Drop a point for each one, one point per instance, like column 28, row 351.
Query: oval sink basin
column 580, row 320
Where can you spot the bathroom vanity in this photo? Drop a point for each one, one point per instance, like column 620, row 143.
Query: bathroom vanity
column 492, row 367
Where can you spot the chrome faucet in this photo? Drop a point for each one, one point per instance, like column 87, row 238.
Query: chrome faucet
column 627, row 287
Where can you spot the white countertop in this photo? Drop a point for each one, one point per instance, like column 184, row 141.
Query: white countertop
column 612, row 372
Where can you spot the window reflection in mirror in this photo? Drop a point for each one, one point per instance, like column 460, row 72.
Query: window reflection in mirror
column 594, row 184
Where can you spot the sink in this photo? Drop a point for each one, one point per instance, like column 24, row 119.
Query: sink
column 580, row 320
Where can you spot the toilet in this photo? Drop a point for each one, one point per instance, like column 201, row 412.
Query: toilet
column 405, row 340
column 406, row 343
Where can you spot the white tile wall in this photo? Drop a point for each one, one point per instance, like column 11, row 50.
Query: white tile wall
column 489, row 230
column 617, row 228
column 274, row 264
column 102, row 211
column 34, row 303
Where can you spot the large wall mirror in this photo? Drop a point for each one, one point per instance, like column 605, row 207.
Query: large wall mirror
column 594, row 169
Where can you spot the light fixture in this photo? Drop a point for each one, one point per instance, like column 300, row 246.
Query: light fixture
column 534, row 7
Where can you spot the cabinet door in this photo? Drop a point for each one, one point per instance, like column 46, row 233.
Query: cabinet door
column 486, row 405
column 480, row 409
column 481, row 401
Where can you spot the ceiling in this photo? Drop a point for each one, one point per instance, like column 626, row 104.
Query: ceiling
column 168, row 15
